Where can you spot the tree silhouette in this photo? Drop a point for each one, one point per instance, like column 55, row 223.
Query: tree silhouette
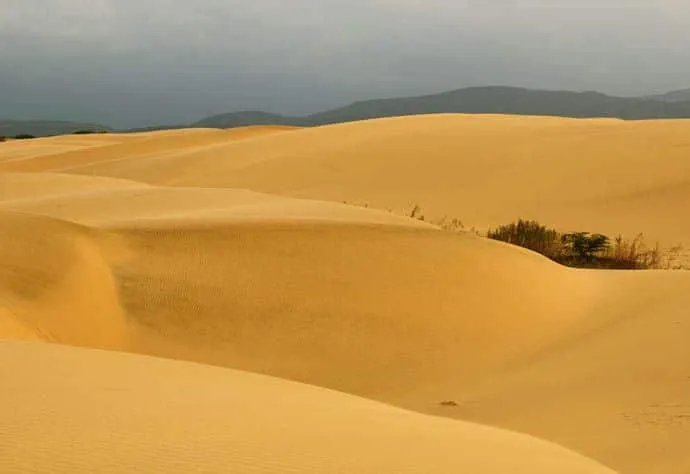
column 585, row 245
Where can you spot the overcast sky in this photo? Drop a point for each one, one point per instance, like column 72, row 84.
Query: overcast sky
column 137, row 62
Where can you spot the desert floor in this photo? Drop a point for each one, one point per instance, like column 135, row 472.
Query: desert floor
column 256, row 300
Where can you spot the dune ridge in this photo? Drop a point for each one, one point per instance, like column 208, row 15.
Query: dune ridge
column 603, row 175
column 71, row 152
column 53, row 274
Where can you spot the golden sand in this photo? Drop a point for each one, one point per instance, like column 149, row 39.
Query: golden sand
column 193, row 245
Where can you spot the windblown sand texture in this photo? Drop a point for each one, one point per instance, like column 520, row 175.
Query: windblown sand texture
column 233, row 249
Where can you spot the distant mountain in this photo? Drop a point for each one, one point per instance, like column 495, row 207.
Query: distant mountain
column 474, row 100
column 673, row 96
column 153, row 128
column 243, row 119
column 44, row 128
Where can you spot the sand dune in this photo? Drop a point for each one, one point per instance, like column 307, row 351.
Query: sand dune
column 55, row 284
column 629, row 377
column 33, row 187
column 601, row 175
column 111, row 148
column 360, row 300
column 13, row 328
column 108, row 202
column 115, row 413
column 249, row 272
column 21, row 150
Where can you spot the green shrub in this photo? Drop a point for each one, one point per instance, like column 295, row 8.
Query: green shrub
column 580, row 249
column 584, row 245
column 530, row 235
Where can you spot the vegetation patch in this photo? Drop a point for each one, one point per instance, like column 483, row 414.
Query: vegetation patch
column 572, row 249
column 88, row 132
column 585, row 249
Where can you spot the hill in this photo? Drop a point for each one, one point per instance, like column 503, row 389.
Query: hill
column 44, row 128
column 472, row 100
column 682, row 95
column 247, row 118
column 475, row 100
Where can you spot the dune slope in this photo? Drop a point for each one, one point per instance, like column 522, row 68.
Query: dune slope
column 117, row 413
column 108, row 149
column 349, row 298
column 352, row 299
column 57, row 154
column 618, row 393
column 602, row 175
column 55, row 283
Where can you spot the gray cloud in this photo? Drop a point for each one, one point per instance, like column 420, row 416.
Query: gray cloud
column 130, row 63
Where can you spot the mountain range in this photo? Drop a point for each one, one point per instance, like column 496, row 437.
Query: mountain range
column 473, row 100
column 42, row 128
column 674, row 96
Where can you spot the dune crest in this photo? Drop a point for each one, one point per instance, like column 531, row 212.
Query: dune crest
column 55, row 284
column 601, row 175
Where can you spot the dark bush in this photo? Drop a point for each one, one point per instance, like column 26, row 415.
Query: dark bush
column 579, row 249
column 530, row 235
column 584, row 245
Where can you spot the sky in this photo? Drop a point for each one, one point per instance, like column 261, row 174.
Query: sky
column 131, row 63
